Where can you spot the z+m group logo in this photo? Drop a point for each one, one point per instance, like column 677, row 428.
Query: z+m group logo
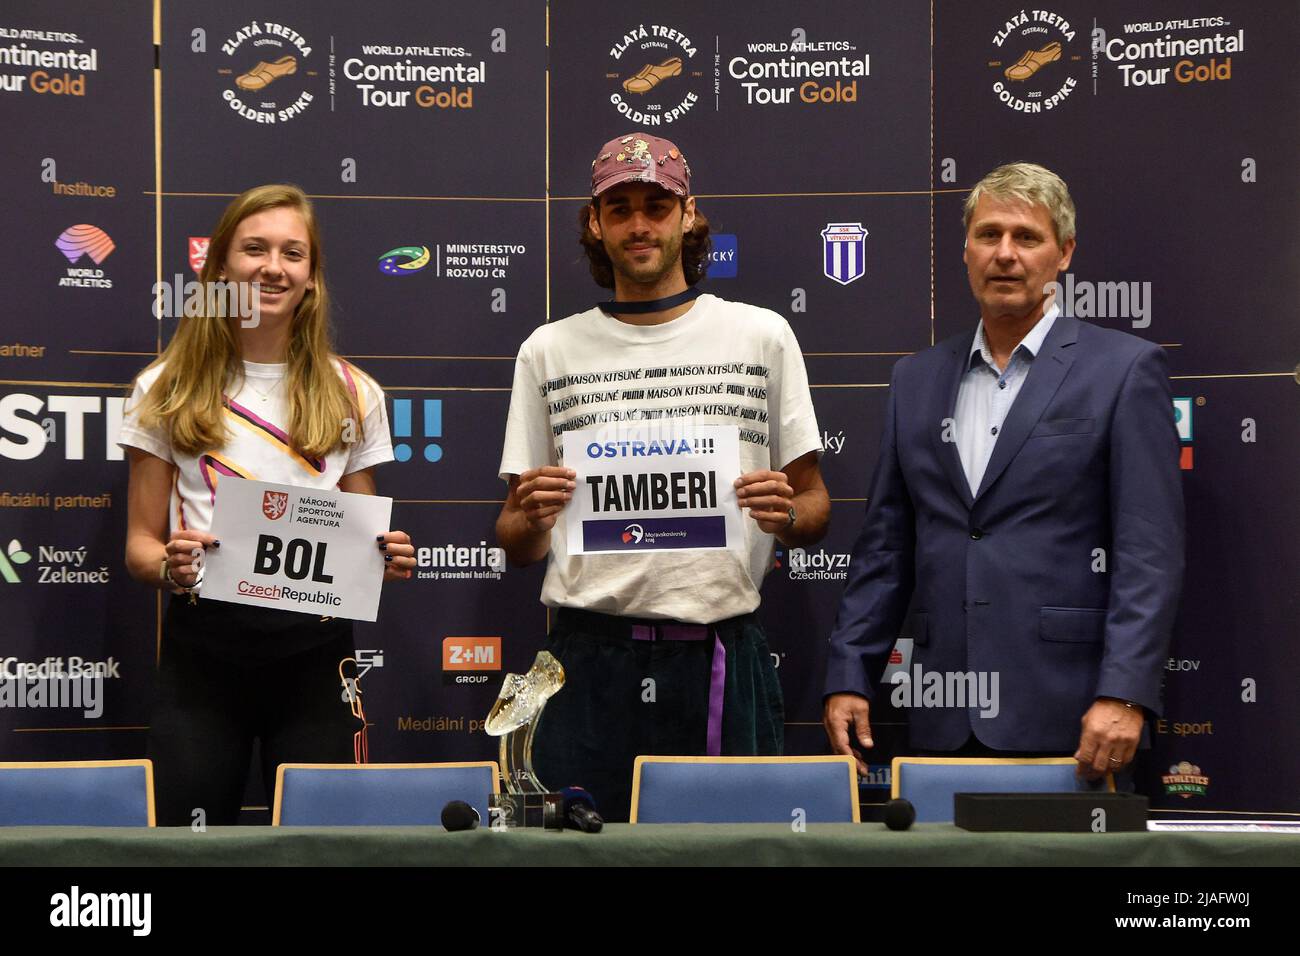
column 470, row 660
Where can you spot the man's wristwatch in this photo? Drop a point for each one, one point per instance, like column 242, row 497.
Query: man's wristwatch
column 1128, row 704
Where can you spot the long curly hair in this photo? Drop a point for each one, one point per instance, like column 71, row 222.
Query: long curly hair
column 696, row 246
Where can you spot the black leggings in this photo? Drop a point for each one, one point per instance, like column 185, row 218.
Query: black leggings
column 213, row 700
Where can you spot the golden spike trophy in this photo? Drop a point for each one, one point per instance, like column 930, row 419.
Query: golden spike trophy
column 514, row 718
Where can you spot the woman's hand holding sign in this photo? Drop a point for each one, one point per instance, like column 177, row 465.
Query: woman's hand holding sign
column 184, row 558
column 399, row 555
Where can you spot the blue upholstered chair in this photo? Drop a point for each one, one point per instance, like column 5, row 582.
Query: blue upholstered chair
column 91, row 793
column 379, row 794
column 744, row 789
column 929, row 782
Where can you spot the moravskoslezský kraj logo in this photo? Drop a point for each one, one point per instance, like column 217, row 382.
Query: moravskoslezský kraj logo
column 1033, row 61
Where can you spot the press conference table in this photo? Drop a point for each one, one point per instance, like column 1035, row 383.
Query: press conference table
column 827, row 844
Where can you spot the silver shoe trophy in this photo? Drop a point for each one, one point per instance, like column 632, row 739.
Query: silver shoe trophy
column 514, row 718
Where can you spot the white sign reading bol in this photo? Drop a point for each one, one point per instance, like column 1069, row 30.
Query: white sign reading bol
column 297, row 549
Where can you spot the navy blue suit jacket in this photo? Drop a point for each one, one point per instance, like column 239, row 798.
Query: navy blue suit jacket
column 1004, row 581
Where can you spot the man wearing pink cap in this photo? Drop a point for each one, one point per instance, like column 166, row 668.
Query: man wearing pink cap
column 663, row 651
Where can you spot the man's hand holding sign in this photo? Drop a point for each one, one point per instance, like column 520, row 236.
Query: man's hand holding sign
column 791, row 504
column 636, row 489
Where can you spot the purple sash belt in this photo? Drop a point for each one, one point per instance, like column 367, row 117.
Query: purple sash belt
column 718, row 676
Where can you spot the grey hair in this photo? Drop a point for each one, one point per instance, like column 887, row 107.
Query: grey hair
column 1031, row 184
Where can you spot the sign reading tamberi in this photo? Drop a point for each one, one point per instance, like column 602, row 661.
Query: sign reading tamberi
column 654, row 486
column 298, row 549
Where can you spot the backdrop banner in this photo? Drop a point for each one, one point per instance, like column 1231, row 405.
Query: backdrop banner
column 447, row 147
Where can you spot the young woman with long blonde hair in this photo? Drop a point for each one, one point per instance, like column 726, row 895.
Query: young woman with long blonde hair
column 265, row 399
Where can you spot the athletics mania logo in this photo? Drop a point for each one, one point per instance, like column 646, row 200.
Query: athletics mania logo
column 1185, row 780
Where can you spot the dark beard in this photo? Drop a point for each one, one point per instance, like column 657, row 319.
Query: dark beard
column 672, row 254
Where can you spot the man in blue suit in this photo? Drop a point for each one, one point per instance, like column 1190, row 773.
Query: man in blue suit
column 1027, row 507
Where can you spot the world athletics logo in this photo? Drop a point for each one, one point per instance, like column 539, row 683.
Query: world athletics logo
column 85, row 240
column 404, row 260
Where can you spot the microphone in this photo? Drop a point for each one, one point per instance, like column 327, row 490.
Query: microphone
column 899, row 814
column 459, row 815
column 580, row 810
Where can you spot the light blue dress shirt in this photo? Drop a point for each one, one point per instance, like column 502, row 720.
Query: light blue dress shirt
column 986, row 394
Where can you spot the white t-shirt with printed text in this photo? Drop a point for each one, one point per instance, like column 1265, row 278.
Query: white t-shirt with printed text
column 722, row 363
